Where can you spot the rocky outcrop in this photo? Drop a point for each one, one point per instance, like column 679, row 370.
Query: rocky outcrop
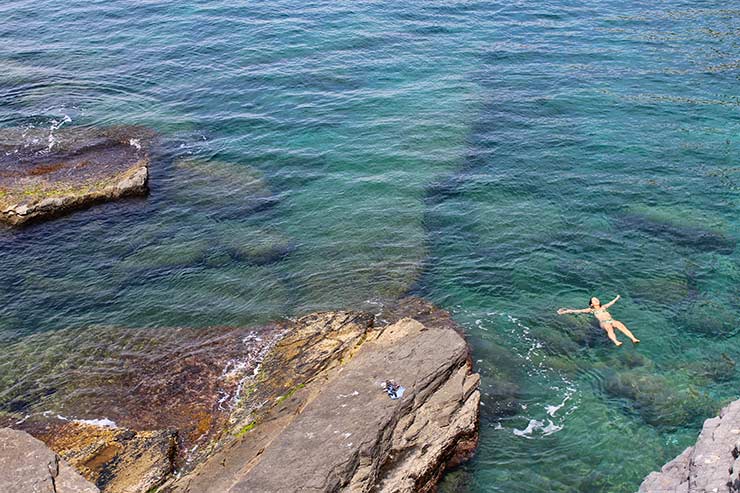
column 48, row 173
column 283, row 407
column 712, row 465
column 116, row 460
column 324, row 423
column 27, row 465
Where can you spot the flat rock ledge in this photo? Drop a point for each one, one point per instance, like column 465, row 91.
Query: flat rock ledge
column 333, row 428
column 712, row 465
column 44, row 174
column 29, row 466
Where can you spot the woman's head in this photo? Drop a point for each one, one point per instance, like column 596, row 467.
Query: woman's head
column 594, row 302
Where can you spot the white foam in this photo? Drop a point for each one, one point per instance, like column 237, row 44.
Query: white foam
column 551, row 410
column 534, row 425
column 531, row 428
column 56, row 125
column 104, row 423
column 551, row 428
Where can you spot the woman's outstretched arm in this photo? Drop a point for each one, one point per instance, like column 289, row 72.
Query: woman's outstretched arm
column 611, row 302
column 563, row 311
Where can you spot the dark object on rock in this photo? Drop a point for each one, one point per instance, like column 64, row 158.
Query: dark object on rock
column 394, row 390
column 45, row 174
column 713, row 464
column 27, row 465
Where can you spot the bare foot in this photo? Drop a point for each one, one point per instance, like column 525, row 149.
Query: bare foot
column 635, row 341
column 618, row 343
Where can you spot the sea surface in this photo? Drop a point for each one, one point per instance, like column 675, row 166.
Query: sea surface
column 502, row 159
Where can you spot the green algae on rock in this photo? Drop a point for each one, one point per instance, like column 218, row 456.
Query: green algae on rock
column 49, row 173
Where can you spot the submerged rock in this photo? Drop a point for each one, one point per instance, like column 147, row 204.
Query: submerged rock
column 45, row 174
column 27, row 465
column 165, row 379
column 253, row 244
column 222, row 190
column 709, row 318
column 713, row 464
column 661, row 400
column 665, row 290
column 684, row 227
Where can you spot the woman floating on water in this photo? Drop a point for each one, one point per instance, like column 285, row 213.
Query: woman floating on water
column 605, row 320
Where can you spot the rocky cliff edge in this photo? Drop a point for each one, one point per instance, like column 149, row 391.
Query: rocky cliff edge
column 712, row 465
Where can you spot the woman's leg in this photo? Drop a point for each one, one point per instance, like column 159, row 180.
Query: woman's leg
column 610, row 334
column 624, row 330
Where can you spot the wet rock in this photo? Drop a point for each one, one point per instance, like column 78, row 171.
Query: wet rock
column 27, row 465
column 45, row 174
column 317, row 412
column 165, row 379
column 712, row 464
column 228, row 406
column 685, row 227
column 116, row 460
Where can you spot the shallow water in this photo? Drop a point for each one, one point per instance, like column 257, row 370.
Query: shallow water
column 502, row 159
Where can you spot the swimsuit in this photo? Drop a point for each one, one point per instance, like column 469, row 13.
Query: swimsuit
column 602, row 310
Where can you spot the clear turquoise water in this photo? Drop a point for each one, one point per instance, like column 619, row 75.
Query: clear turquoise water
column 502, row 159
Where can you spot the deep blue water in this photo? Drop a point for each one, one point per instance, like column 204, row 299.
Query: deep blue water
column 500, row 158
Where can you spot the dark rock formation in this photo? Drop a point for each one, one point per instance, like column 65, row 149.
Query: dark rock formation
column 690, row 228
column 45, row 174
column 712, row 465
column 27, row 465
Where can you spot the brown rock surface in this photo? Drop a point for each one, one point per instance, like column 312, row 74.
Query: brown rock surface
column 117, row 460
column 28, row 466
column 45, row 174
column 712, row 465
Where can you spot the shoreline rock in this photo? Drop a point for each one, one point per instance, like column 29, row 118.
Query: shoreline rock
column 46, row 174
column 27, row 465
column 331, row 427
column 712, row 464
column 305, row 399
